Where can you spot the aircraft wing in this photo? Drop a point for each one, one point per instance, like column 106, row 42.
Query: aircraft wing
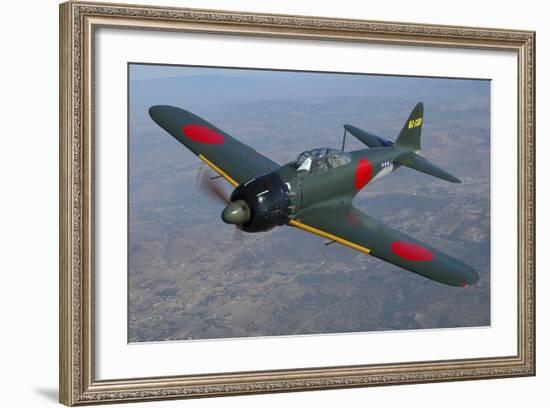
column 355, row 229
column 233, row 160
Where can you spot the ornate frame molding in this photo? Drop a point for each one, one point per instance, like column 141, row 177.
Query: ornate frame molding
column 78, row 20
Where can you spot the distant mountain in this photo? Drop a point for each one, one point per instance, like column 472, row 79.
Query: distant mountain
column 214, row 90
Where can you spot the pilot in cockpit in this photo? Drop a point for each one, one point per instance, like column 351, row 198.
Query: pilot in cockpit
column 320, row 160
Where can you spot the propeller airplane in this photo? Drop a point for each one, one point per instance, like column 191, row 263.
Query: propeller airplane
column 315, row 192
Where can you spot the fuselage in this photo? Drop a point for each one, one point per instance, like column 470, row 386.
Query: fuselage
column 318, row 177
column 340, row 183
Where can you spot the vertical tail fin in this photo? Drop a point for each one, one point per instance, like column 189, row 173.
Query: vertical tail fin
column 409, row 138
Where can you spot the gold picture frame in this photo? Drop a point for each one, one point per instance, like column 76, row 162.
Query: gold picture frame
column 78, row 22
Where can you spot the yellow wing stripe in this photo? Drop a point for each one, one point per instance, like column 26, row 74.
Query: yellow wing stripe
column 324, row 234
column 220, row 171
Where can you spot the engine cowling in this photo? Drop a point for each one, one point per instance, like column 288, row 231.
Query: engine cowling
column 267, row 200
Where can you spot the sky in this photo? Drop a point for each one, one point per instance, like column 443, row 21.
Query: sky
column 140, row 72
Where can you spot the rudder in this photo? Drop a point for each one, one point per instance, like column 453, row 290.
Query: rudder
column 409, row 137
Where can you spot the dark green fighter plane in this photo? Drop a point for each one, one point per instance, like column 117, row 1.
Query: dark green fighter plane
column 315, row 191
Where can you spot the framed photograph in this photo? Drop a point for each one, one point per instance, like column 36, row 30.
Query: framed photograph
column 256, row 203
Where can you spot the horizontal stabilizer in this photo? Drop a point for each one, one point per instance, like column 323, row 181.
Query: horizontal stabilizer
column 414, row 161
column 367, row 138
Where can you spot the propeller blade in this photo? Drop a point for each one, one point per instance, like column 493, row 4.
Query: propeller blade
column 207, row 184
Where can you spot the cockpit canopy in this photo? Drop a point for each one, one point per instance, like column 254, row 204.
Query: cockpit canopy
column 320, row 160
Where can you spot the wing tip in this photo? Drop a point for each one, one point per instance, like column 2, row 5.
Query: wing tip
column 156, row 111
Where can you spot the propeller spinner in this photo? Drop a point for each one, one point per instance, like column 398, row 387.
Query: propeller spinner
column 236, row 212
